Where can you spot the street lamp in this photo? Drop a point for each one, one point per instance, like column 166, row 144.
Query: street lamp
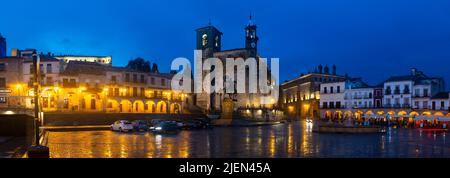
column 37, row 151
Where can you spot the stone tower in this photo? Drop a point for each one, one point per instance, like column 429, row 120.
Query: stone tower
column 251, row 38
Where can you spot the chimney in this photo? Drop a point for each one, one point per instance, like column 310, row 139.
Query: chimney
column 413, row 71
column 334, row 70
column 326, row 70
column 320, row 69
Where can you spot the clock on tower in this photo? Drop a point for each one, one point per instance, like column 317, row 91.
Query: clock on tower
column 251, row 38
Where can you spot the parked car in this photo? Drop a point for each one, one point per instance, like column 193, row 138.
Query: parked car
column 165, row 127
column 121, row 126
column 139, row 125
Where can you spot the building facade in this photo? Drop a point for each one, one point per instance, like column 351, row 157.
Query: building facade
column 300, row 98
column 209, row 41
column 401, row 97
column 79, row 86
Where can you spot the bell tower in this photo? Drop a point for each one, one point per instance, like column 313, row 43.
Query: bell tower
column 209, row 40
column 251, row 38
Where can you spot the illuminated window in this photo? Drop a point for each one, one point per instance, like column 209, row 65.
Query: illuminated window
column 204, row 39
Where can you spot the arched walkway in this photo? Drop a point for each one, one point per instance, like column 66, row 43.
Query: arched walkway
column 175, row 108
column 125, row 106
column 112, row 106
column 138, row 106
column 161, row 107
column 150, row 107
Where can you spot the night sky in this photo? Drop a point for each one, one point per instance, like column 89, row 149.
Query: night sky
column 373, row 39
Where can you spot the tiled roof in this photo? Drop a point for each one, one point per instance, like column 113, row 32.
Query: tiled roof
column 75, row 68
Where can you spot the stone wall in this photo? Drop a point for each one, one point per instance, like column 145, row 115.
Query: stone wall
column 80, row 119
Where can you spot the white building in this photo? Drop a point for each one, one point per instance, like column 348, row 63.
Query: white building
column 411, row 91
column 350, row 94
column 440, row 102
column 359, row 97
column 332, row 95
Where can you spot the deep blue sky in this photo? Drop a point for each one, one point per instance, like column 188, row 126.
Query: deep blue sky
column 368, row 38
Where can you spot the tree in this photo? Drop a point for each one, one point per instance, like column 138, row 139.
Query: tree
column 139, row 64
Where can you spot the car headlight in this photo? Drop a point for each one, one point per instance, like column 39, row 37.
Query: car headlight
column 158, row 128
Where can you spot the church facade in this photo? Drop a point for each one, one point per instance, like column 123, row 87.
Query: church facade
column 209, row 41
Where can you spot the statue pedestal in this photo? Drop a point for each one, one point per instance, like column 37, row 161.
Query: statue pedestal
column 227, row 109
column 227, row 113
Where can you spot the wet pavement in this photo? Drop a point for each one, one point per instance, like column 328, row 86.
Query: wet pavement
column 292, row 140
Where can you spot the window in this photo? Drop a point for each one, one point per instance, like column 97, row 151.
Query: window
column 152, row 80
column 49, row 68
column 425, row 92
column 142, row 92
column 93, row 104
column 331, row 105
column 325, row 90
column 3, row 100
column 2, row 83
column 135, row 78
column 331, row 89
column 442, row 104
column 49, row 81
column 425, row 104
column 406, row 90
column 142, row 79
column 31, row 69
column 113, row 79
column 338, row 89
column 163, row 82
column 325, row 105
column 417, row 92
column 338, row 104
column 135, row 94
column 127, row 77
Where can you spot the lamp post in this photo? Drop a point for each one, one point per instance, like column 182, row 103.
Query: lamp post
column 37, row 151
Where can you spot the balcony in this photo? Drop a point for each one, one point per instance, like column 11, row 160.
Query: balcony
column 69, row 85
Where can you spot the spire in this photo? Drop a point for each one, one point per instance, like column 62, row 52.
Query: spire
column 250, row 21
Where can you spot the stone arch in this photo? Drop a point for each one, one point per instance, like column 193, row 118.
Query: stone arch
column 150, row 107
column 380, row 112
column 161, row 107
column 125, row 106
column 426, row 113
column 138, row 106
column 175, row 108
column 112, row 105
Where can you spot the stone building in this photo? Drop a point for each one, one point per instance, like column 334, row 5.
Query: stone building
column 79, row 86
column 209, row 40
column 300, row 97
